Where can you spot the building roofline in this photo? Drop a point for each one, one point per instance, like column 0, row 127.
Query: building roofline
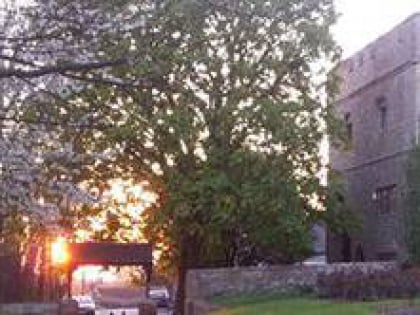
column 381, row 37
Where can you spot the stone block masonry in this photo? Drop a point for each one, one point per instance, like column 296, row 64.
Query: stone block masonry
column 205, row 284
column 379, row 101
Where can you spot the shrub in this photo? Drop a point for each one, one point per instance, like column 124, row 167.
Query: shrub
column 361, row 286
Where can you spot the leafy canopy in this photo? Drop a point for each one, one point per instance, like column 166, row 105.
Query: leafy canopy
column 217, row 104
column 227, row 131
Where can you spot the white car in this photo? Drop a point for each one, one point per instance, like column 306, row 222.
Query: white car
column 86, row 304
column 160, row 295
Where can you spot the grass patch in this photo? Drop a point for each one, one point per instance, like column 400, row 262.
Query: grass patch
column 276, row 304
column 241, row 300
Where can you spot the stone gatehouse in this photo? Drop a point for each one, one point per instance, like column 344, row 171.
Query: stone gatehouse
column 380, row 104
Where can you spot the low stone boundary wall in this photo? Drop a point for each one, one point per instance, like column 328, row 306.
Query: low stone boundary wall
column 30, row 308
column 203, row 284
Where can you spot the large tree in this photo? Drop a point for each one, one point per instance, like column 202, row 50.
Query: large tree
column 219, row 108
column 228, row 129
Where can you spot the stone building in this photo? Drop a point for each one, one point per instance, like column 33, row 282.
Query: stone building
column 380, row 104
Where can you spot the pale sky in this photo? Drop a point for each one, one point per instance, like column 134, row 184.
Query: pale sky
column 363, row 21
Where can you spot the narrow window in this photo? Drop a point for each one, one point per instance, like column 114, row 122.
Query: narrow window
column 383, row 113
column 349, row 126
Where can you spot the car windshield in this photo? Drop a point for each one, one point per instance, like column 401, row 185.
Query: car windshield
column 83, row 299
column 158, row 293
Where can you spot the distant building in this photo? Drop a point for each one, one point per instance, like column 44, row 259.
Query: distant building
column 380, row 104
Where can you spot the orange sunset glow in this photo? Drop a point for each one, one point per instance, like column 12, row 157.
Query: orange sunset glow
column 125, row 201
column 59, row 252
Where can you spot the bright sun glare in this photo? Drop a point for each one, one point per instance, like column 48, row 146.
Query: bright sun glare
column 126, row 200
column 95, row 273
column 59, row 251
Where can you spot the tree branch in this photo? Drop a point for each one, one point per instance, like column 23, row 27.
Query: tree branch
column 60, row 69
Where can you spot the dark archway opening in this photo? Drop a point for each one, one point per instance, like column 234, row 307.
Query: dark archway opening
column 346, row 248
column 359, row 255
column 110, row 254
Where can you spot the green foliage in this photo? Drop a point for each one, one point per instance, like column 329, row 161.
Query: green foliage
column 225, row 124
column 225, row 127
column 231, row 128
column 12, row 234
column 339, row 217
column 413, row 205
column 17, row 235
column 245, row 212
column 224, row 120
column 219, row 108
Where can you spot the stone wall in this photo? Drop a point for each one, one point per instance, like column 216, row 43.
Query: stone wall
column 207, row 283
column 380, row 102
column 30, row 308
column 393, row 50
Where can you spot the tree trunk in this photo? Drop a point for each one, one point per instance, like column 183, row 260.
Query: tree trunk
column 180, row 294
column 189, row 258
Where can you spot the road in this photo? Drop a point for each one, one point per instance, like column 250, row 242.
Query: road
column 111, row 296
column 128, row 311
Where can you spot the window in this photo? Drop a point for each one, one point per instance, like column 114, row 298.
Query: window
column 349, row 126
column 383, row 117
column 385, row 199
column 383, row 111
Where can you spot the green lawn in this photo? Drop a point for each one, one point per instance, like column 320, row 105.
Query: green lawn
column 297, row 306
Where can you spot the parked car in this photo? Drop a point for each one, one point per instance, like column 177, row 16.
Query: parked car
column 160, row 295
column 86, row 304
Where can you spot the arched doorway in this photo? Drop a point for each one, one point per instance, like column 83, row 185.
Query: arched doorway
column 359, row 255
column 109, row 254
column 346, row 247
